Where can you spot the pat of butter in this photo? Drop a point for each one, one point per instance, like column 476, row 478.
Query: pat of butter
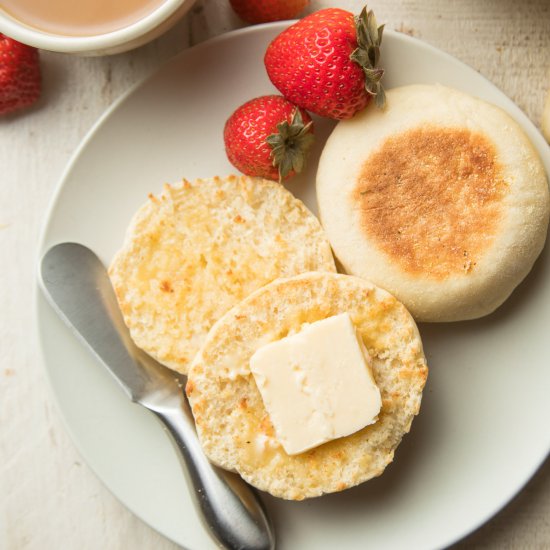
column 317, row 385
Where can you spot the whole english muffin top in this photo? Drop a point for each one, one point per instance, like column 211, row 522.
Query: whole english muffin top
column 198, row 248
column 232, row 422
column 440, row 198
column 451, row 176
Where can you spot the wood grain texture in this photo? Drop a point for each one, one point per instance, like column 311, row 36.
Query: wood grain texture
column 50, row 498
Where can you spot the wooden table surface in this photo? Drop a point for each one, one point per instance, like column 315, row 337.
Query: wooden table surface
column 50, row 499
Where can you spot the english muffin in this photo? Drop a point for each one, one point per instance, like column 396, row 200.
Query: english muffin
column 198, row 248
column 232, row 422
column 440, row 199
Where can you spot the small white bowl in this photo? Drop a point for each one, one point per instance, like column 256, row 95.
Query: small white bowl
column 126, row 38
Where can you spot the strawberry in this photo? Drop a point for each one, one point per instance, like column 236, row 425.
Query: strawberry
column 264, row 11
column 268, row 137
column 20, row 80
column 327, row 62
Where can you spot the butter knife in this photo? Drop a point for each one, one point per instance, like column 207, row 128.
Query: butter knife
column 78, row 287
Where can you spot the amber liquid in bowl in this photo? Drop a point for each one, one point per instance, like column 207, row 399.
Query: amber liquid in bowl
column 78, row 17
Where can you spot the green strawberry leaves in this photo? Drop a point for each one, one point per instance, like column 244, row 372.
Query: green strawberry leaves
column 367, row 53
column 290, row 145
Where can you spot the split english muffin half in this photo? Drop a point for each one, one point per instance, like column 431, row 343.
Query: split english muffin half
column 234, row 426
column 198, row 248
column 441, row 199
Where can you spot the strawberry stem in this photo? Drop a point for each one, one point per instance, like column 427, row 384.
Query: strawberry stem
column 367, row 53
column 290, row 145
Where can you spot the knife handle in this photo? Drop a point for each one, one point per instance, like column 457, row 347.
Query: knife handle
column 232, row 511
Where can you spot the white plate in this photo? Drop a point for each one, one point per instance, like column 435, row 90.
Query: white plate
column 483, row 429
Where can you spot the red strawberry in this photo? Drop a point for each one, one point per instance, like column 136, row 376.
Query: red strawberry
column 327, row 62
column 268, row 137
column 20, row 80
column 263, row 11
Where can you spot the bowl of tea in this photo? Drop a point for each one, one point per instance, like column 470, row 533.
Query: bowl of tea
column 89, row 27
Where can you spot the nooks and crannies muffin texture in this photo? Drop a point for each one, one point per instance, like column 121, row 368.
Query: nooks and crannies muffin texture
column 233, row 425
column 198, row 248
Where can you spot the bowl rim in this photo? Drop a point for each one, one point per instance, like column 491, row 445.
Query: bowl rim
column 32, row 36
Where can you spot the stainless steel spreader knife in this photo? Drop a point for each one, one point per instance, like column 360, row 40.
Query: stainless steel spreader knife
column 77, row 285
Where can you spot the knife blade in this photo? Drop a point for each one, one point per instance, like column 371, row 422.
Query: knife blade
column 77, row 285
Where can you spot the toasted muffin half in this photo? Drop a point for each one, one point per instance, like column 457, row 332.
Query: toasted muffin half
column 233, row 424
column 196, row 249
